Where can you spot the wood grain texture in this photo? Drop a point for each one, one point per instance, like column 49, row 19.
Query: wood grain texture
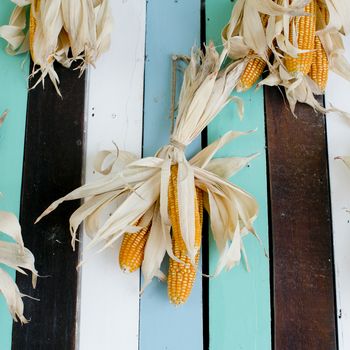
column 52, row 168
column 13, row 96
column 173, row 27
column 109, row 309
column 304, row 307
column 239, row 301
column 338, row 130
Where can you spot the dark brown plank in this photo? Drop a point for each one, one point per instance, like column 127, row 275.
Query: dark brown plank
column 304, row 301
column 52, row 167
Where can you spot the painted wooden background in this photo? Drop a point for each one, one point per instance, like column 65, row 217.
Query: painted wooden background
column 286, row 301
column 239, row 301
column 13, row 96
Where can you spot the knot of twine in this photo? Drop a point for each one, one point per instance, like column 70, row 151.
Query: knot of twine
column 177, row 144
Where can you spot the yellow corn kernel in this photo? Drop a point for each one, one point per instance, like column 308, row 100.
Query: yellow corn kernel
column 132, row 249
column 319, row 67
column 32, row 25
column 306, row 28
column 252, row 72
column 181, row 276
column 255, row 66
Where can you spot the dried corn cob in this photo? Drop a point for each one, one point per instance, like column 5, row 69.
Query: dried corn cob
column 306, row 28
column 32, row 25
column 255, row 66
column 252, row 72
column 132, row 249
column 319, row 67
column 181, row 276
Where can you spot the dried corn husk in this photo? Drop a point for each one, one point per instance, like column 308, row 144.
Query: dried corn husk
column 345, row 159
column 139, row 188
column 245, row 34
column 60, row 30
column 14, row 255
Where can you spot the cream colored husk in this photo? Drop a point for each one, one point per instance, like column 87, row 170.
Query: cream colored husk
column 14, row 255
column 65, row 31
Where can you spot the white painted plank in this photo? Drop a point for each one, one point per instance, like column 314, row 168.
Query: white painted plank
column 338, row 133
column 109, row 299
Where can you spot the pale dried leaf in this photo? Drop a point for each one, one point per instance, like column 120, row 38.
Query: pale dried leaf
column 11, row 227
column 12, row 255
column 345, row 159
column 227, row 167
column 84, row 26
column 13, row 297
column 154, row 251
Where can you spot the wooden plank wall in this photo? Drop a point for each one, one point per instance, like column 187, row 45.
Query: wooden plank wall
column 109, row 301
column 13, row 96
column 301, row 227
column 173, row 27
column 239, row 302
column 292, row 177
column 338, row 131
column 52, row 168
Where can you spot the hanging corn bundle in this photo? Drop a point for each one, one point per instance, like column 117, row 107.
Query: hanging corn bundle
column 160, row 199
column 13, row 255
column 297, row 42
column 59, row 30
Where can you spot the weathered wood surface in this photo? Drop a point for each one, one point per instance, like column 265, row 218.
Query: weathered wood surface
column 173, row 27
column 239, row 301
column 52, row 168
column 338, row 131
column 300, row 212
column 109, row 299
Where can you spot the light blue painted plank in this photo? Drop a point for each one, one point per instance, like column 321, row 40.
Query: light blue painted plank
column 13, row 96
column 173, row 27
column 239, row 302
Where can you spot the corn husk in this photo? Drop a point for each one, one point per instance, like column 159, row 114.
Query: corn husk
column 63, row 30
column 139, row 189
column 345, row 159
column 245, row 36
column 14, row 255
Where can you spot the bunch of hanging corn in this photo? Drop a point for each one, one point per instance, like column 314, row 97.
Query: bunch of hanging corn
column 313, row 61
column 59, row 30
column 298, row 43
column 159, row 200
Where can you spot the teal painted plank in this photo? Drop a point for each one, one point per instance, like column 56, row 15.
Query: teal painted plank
column 173, row 27
column 239, row 302
column 13, row 96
